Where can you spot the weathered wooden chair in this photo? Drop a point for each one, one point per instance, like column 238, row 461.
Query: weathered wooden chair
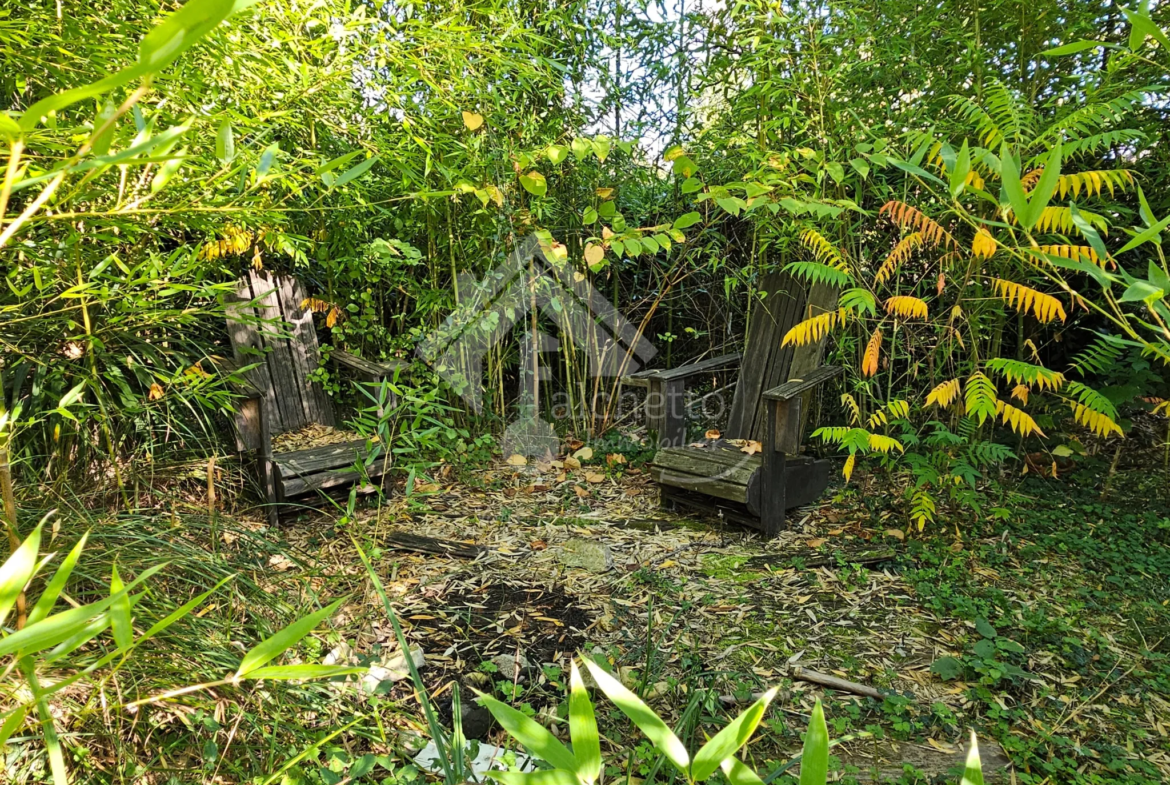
column 769, row 407
column 271, row 331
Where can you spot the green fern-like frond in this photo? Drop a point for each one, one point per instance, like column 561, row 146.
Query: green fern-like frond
column 857, row 300
column 816, row 272
column 1101, row 355
column 980, row 397
column 1014, row 116
column 922, row 509
column 1092, row 119
column 1017, row 372
column 1092, row 399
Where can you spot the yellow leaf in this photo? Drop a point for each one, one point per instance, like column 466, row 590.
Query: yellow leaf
column 898, row 533
column 714, row 434
column 944, row 394
column 850, row 403
column 907, row 307
column 751, row 447
column 472, row 120
column 594, row 477
column 584, row 454
column 984, row 245
column 869, row 363
column 884, row 444
column 156, row 392
column 572, row 463
column 1020, row 421
column 594, row 254
column 824, row 251
column 517, row 460
column 814, row 328
column 495, row 193
column 1020, row 393
column 1098, row 423
column 1044, row 307
column 909, row 217
column 604, row 193
column 901, row 253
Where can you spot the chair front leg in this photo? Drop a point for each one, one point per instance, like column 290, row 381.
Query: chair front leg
column 774, row 485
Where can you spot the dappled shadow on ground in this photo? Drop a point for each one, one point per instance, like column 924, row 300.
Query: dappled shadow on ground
column 999, row 631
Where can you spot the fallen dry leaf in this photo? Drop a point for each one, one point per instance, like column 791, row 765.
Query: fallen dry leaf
column 594, row 477
column 517, row 460
column 280, row 562
column 752, row 447
column 572, row 463
column 538, row 545
column 713, row 433
column 901, row 535
column 584, row 454
column 615, row 459
column 816, row 543
column 582, row 492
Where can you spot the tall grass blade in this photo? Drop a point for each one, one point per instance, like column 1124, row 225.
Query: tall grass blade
column 438, row 735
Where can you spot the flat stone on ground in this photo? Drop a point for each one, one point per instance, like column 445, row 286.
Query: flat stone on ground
column 585, row 554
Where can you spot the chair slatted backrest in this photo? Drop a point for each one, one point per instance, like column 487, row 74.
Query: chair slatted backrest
column 766, row 363
column 269, row 326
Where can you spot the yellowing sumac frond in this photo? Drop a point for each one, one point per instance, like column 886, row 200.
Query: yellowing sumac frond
column 907, row 307
column 912, row 219
column 883, row 444
column 1059, row 220
column 824, row 251
column 1020, row 393
column 877, row 418
column 850, row 403
column 1098, row 423
column 901, row 253
column 869, row 363
column 1092, row 182
column 1044, row 307
column 983, row 245
column 814, row 328
column 316, row 304
column 944, row 394
column 898, row 408
column 1020, row 421
column 1076, row 253
column 850, row 462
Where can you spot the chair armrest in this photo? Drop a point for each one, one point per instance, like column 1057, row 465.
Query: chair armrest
column 795, row 387
column 372, row 371
column 641, row 378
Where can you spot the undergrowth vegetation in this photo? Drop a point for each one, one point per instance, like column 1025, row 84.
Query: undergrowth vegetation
column 983, row 187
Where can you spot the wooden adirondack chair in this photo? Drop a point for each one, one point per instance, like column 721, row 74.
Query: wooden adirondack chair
column 271, row 330
column 769, row 407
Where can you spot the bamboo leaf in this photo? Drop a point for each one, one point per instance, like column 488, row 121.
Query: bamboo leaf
column 225, row 143
column 282, row 641
column 728, row 741
column 535, row 738
column 641, row 715
column 120, row 621
column 583, row 729
column 814, row 760
column 57, row 583
column 18, row 570
column 356, row 171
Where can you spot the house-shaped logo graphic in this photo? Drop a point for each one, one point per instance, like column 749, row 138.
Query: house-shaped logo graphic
column 531, row 281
